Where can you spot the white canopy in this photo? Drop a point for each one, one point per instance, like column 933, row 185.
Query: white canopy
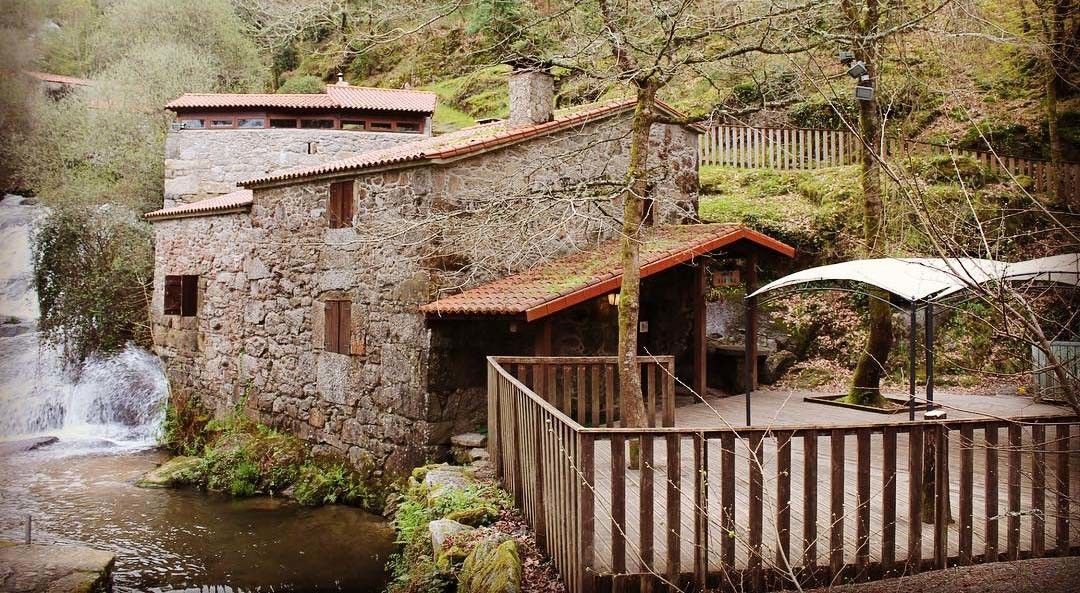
column 917, row 279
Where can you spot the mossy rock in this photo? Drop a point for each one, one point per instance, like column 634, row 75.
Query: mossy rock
column 492, row 567
column 178, row 471
column 475, row 517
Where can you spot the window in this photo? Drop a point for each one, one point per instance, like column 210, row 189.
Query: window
column 312, row 147
column 181, row 295
column 408, row 126
column 340, row 207
column 337, row 332
column 246, row 122
column 316, row 123
column 352, row 124
column 194, row 124
column 282, row 123
column 381, row 125
column 221, row 123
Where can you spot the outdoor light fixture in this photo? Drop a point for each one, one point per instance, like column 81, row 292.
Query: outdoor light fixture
column 613, row 298
column 845, row 57
column 857, row 70
column 864, row 93
column 643, row 327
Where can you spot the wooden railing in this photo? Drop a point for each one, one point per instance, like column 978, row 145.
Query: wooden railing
column 758, row 508
column 777, row 148
column 1047, row 384
column 814, row 148
column 587, row 388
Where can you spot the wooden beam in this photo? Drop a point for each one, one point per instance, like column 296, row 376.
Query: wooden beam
column 752, row 325
column 700, row 353
column 542, row 338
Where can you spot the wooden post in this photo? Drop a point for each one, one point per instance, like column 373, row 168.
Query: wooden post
column 586, row 512
column 542, row 339
column 750, row 339
column 911, row 365
column 929, row 319
column 700, row 352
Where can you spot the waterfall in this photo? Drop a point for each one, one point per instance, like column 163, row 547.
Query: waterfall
column 119, row 398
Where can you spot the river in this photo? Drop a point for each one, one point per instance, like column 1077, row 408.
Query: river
column 81, row 488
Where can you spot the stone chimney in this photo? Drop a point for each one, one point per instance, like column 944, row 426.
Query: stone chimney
column 532, row 96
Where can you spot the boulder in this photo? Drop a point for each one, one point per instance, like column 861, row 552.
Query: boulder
column 54, row 568
column 476, row 516
column 492, row 567
column 478, row 454
column 177, row 471
column 441, row 478
column 777, row 364
column 441, row 529
column 469, row 440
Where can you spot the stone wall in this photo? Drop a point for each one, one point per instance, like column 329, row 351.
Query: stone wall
column 266, row 275
column 205, row 163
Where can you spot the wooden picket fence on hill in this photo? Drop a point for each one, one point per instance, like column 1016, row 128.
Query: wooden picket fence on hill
column 814, row 148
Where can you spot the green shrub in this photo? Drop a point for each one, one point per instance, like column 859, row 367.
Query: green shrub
column 819, row 113
column 303, row 85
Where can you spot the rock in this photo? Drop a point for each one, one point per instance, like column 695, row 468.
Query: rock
column 177, row 471
column 54, row 568
column 444, row 477
column 777, row 364
column 478, row 454
column 475, row 517
column 441, row 529
column 483, row 469
column 9, row 447
column 469, row 440
column 492, row 567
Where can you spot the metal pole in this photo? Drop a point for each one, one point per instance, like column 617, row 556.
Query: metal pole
column 929, row 356
column 912, row 344
column 750, row 339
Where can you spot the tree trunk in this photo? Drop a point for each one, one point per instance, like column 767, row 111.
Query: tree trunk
column 866, row 384
column 1054, row 82
column 633, row 405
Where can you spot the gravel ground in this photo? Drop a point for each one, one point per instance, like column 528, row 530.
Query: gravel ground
column 1042, row 575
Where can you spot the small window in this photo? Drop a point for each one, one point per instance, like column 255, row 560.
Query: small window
column 282, row 123
column 194, row 124
column 353, row 124
column 221, row 123
column 408, row 126
column 340, row 207
column 316, row 123
column 182, row 295
column 246, row 122
column 337, row 332
column 312, row 147
column 380, row 125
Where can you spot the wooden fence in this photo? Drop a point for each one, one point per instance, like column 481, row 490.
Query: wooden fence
column 754, row 509
column 813, row 148
column 1046, row 380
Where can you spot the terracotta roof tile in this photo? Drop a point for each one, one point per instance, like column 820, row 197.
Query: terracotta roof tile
column 587, row 274
column 462, row 142
column 335, row 97
column 234, row 200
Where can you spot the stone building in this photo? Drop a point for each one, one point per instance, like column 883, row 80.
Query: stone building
column 312, row 295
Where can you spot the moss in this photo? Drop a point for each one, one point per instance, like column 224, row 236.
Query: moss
column 492, row 567
column 475, row 516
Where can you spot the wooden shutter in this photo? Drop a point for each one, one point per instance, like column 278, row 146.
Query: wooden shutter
column 337, row 331
column 340, row 206
column 332, row 326
column 173, row 294
column 344, row 327
column 189, row 299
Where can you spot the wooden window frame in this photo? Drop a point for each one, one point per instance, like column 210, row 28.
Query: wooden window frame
column 337, row 329
column 339, row 207
column 181, row 295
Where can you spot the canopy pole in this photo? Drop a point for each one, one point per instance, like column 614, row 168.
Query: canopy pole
column 912, row 344
column 929, row 317
column 750, row 348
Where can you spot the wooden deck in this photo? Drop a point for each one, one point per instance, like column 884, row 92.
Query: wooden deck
column 788, row 409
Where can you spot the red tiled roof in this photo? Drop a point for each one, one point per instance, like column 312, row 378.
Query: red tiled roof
column 60, row 78
column 463, row 142
column 587, row 274
column 235, row 200
column 335, row 97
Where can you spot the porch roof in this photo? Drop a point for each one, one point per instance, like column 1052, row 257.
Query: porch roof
column 567, row 281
